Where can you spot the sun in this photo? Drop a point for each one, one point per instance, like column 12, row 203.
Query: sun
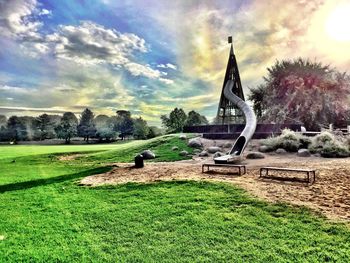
column 338, row 23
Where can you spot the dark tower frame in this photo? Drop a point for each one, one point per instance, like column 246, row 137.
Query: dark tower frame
column 227, row 112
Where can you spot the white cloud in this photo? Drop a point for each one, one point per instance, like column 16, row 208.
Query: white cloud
column 16, row 19
column 168, row 65
column 140, row 70
column 166, row 81
column 14, row 90
column 45, row 12
column 87, row 43
column 28, row 110
column 171, row 66
column 90, row 44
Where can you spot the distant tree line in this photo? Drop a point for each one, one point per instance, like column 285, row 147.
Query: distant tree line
column 178, row 119
column 101, row 127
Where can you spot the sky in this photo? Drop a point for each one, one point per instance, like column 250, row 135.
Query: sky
column 151, row 56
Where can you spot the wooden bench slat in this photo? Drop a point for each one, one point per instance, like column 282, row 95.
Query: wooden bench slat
column 227, row 165
column 288, row 169
column 308, row 172
column 239, row 166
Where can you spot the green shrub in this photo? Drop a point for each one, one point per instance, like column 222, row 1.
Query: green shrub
column 289, row 135
column 330, row 145
column 324, row 137
column 320, row 140
column 333, row 149
column 289, row 145
column 347, row 142
column 288, row 140
column 270, row 143
column 325, row 143
column 305, row 142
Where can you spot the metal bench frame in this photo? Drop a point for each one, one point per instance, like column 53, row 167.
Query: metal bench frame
column 308, row 172
column 239, row 166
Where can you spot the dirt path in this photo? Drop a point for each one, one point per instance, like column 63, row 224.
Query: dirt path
column 330, row 194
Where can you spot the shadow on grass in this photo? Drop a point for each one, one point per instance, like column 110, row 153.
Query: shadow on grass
column 53, row 180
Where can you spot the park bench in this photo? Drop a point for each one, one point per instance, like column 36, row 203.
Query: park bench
column 264, row 172
column 239, row 166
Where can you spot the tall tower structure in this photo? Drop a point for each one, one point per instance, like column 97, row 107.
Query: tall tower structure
column 227, row 112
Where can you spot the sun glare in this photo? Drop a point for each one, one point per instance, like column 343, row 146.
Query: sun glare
column 338, row 23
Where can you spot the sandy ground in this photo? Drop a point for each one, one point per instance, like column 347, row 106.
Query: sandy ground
column 330, row 194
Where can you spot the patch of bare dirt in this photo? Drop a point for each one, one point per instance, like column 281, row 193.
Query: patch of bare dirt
column 69, row 157
column 330, row 194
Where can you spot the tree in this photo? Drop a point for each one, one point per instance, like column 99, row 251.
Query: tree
column 154, row 132
column 141, row 129
column 17, row 130
column 43, row 127
column 101, row 121
column 175, row 122
column 194, row 118
column 104, row 130
column 68, row 127
column 4, row 136
column 86, row 127
column 3, row 121
column 305, row 92
column 124, row 123
column 257, row 97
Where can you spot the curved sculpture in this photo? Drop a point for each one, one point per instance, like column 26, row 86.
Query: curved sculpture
column 249, row 129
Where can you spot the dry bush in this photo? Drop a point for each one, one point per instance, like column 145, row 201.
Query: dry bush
column 330, row 145
column 288, row 140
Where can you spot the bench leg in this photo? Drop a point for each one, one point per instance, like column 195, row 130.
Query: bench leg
column 266, row 172
column 239, row 171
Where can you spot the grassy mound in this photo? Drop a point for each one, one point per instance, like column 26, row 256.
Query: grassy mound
column 161, row 146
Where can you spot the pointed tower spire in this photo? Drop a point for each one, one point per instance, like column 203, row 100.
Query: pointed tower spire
column 227, row 112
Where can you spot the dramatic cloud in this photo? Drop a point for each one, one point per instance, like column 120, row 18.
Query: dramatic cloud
column 152, row 56
column 92, row 43
column 16, row 19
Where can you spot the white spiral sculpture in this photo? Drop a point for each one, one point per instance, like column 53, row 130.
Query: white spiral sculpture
column 249, row 129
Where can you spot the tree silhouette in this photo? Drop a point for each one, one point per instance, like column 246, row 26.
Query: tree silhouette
column 305, row 92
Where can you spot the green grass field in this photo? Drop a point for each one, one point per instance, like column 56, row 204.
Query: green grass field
column 46, row 217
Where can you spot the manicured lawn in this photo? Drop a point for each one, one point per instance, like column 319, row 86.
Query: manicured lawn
column 23, row 163
column 46, row 217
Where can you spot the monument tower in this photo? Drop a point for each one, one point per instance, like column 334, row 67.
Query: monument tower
column 227, row 112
